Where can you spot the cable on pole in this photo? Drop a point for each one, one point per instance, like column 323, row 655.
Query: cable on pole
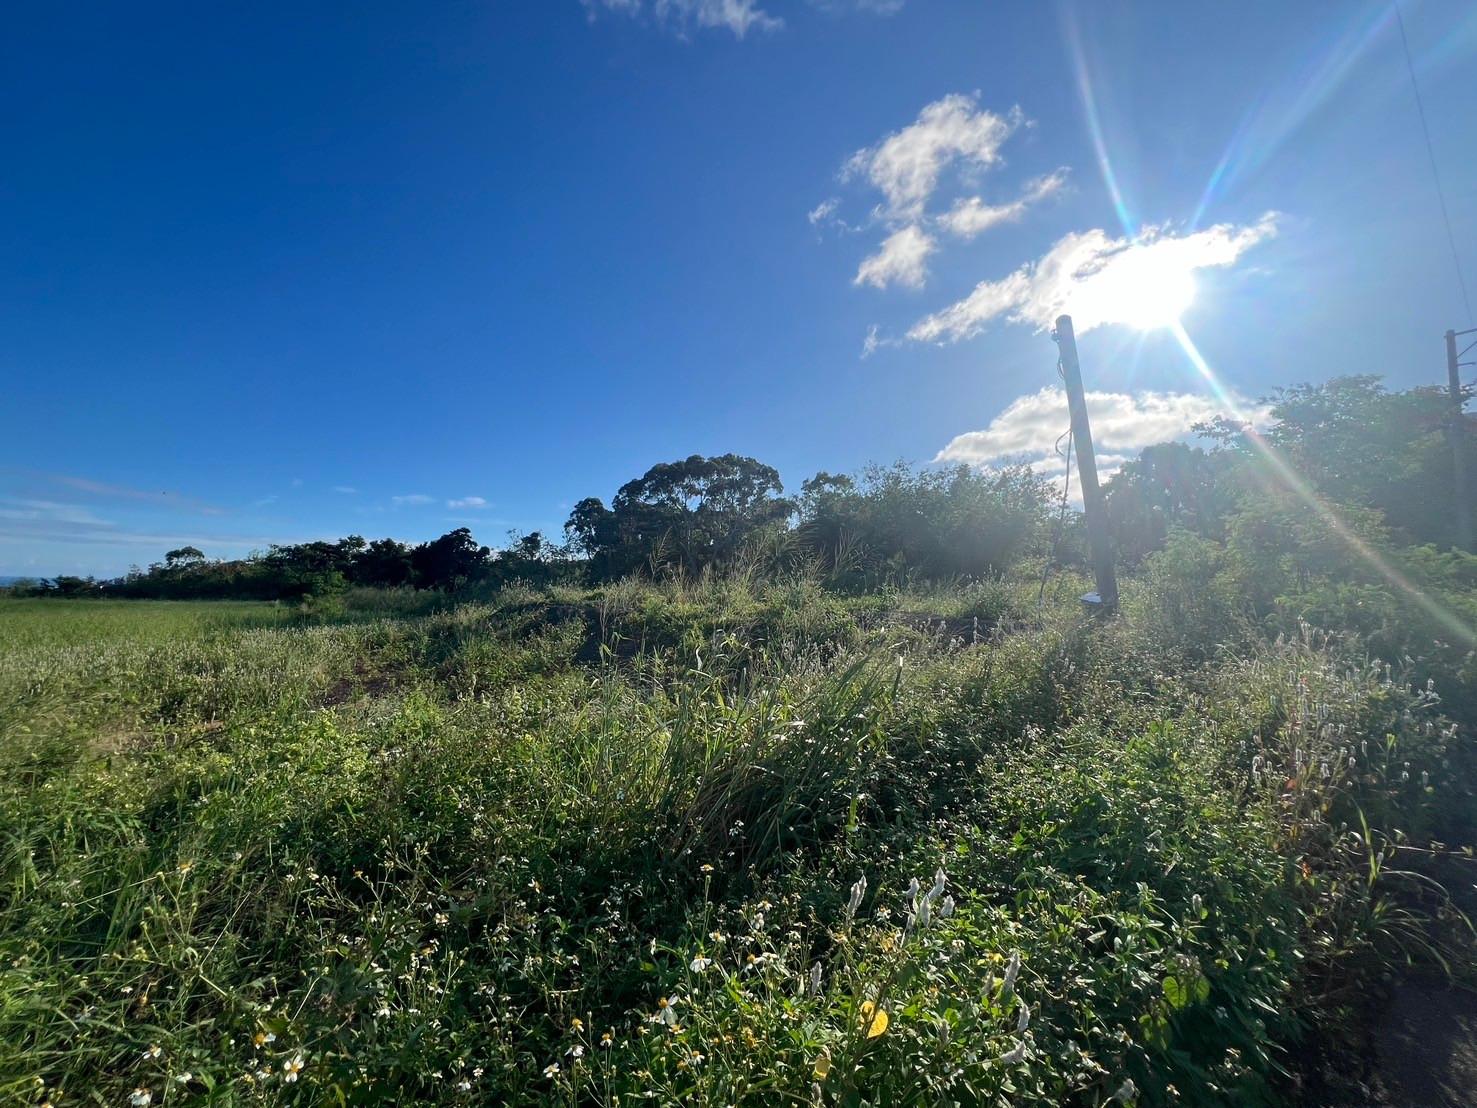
column 1431, row 153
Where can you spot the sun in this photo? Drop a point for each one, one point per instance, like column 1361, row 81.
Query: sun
column 1146, row 290
column 1159, row 299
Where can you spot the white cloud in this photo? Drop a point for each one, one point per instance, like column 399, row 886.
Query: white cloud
column 1122, row 425
column 907, row 164
column 737, row 16
column 952, row 136
column 971, row 216
column 412, row 499
column 1098, row 280
column 467, row 502
column 346, row 490
column 902, row 260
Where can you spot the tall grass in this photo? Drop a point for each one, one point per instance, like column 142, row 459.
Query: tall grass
column 656, row 842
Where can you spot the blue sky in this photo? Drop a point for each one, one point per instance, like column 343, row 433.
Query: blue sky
column 274, row 273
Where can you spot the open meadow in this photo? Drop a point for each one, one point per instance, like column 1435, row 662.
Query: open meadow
column 714, row 842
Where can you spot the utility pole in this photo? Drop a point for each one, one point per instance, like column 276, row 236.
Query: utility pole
column 1092, row 496
column 1455, row 432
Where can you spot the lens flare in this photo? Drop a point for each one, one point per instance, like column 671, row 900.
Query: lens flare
column 1300, row 488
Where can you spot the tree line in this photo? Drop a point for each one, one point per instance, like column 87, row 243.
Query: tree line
column 1384, row 457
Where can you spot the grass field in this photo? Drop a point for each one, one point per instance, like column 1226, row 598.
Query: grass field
column 715, row 843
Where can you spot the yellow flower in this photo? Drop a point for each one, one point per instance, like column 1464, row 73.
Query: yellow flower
column 822, row 1065
column 705, row 868
column 576, row 1024
column 874, row 1020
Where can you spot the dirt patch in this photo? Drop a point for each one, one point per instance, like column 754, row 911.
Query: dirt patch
column 1426, row 1051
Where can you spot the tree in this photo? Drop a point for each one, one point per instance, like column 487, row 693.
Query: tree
column 450, row 561
column 931, row 524
column 1169, row 485
column 184, row 557
column 383, row 563
column 685, row 515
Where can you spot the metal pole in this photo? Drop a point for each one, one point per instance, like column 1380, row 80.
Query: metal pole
column 1458, row 447
column 1092, row 496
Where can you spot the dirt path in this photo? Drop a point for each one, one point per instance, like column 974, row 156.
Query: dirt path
column 1425, row 1038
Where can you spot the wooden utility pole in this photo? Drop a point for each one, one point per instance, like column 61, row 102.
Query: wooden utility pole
column 1093, row 508
column 1455, row 431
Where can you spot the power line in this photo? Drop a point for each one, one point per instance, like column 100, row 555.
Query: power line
column 1431, row 153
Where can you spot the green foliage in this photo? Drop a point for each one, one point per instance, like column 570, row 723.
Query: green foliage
column 839, row 801
column 463, row 855
column 899, row 524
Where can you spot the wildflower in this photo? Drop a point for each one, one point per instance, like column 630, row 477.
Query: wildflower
column 815, row 979
column 858, row 891
column 442, row 919
column 576, row 1052
column 184, row 1078
column 576, row 1024
column 946, row 909
column 464, row 1085
column 291, row 1068
column 665, row 1013
column 938, row 886
column 698, row 964
column 874, row 1020
column 822, row 1065
column 1126, row 1091
column 1016, row 1056
column 141, row 1098
column 185, row 867
column 1012, row 968
column 262, row 1038
column 607, row 1039
column 1023, row 1020
column 705, row 868
column 551, row 1070
column 912, row 892
column 153, row 1053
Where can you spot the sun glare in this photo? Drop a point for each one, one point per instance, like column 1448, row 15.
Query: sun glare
column 1146, row 291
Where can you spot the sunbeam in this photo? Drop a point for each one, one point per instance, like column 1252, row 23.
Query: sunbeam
column 1300, row 488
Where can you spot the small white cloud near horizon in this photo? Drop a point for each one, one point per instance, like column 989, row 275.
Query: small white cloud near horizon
column 413, row 499
column 467, row 502
column 901, row 260
column 971, row 216
column 738, row 16
column 346, row 490
column 1098, row 280
column 1123, row 424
